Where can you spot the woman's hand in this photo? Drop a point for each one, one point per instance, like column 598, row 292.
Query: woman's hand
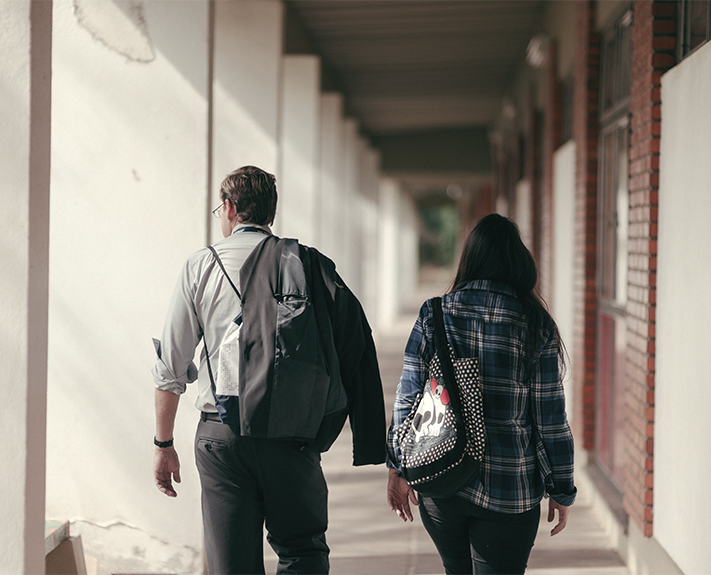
column 562, row 515
column 400, row 494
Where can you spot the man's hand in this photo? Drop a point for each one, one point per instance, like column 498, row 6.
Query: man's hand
column 166, row 467
column 562, row 515
column 400, row 494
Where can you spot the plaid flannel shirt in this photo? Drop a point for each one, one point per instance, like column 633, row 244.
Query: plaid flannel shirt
column 529, row 445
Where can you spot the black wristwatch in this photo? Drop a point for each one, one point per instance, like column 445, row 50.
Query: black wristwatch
column 168, row 443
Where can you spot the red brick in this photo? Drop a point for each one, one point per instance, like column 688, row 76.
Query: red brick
column 642, row 60
column 664, row 27
column 649, row 497
column 642, row 12
column 644, row 164
column 649, row 480
column 664, row 43
column 648, row 514
column 664, row 61
column 661, row 9
column 644, row 81
column 643, row 40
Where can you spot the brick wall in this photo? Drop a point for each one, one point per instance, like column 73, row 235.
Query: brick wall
column 585, row 133
column 653, row 52
column 486, row 200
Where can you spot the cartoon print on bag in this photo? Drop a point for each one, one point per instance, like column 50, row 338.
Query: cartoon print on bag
column 430, row 413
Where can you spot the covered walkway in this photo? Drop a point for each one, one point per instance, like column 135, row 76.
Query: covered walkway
column 391, row 127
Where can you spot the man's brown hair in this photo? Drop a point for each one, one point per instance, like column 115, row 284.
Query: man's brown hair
column 253, row 193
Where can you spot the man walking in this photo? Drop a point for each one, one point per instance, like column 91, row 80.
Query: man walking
column 304, row 361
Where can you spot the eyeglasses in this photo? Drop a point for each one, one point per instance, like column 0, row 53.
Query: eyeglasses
column 216, row 211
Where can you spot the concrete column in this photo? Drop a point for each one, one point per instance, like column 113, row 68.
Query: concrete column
column 389, row 251
column 350, row 212
column 129, row 204
column 331, row 177
column 409, row 247
column 25, row 73
column 299, row 144
column 562, row 304
column 370, row 285
column 247, row 60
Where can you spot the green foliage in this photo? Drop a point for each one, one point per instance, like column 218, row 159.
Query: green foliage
column 439, row 232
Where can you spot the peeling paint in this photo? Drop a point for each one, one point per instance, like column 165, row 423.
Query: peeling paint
column 121, row 548
column 119, row 25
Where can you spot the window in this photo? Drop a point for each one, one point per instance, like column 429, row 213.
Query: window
column 616, row 66
column 614, row 203
column 616, row 63
column 613, row 231
column 694, row 25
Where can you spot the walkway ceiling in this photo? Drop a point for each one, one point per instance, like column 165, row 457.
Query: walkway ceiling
column 418, row 67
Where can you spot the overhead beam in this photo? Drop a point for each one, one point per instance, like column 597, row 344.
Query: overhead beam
column 461, row 150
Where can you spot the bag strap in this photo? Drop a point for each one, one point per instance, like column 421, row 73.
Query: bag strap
column 224, row 271
column 239, row 296
column 445, row 359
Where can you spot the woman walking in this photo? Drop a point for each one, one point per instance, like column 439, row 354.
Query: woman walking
column 493, row 313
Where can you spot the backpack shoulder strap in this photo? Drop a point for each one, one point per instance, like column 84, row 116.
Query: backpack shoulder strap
column 442, row 350
column 224, row 271
column 207, row 352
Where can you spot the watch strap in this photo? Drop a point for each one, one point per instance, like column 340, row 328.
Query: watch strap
column 163, row 444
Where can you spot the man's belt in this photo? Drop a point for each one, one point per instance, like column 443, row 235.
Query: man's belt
column 206, row 416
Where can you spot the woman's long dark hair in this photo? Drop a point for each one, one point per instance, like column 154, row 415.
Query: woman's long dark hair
column 494, row 251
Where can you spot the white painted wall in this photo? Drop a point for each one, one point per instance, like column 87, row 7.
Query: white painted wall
column 246, row 84
column 25, row 70
column 129, row 199
column 299, row 144
column 682, row 452
column 562, row 300
column 524, row 212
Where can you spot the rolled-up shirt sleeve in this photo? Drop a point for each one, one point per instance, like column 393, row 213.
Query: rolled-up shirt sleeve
column 174, row 367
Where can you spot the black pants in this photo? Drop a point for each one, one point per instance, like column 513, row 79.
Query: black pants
column 471, row 539
column 248, row 482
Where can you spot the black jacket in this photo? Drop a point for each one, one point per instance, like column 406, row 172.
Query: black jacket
column 309, row 360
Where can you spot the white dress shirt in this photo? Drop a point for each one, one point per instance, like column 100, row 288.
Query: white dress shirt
column 202, row 306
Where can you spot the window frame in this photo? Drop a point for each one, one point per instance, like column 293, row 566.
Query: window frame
column 615, row 80
column 684, row 26
column 612, row 256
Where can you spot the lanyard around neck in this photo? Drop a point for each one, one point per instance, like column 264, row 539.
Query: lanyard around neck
column 252, row 229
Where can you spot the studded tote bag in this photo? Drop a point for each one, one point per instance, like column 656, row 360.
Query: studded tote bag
column 442, row 440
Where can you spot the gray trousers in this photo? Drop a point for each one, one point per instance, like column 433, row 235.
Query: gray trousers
column 247, row 483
